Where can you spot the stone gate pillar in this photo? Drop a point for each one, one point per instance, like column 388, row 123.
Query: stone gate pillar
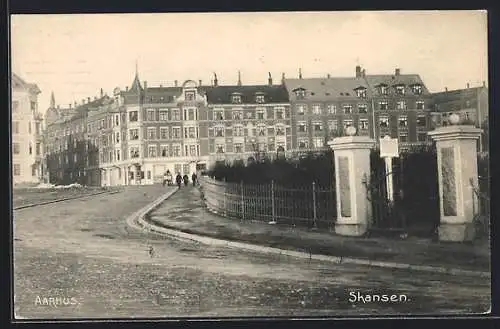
column 457, row 169
column 352, row 168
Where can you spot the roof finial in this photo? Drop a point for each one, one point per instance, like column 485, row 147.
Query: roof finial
column 52, row 100
column 215, row 80
column 239, row 78
column 300, row 73
column 136, row 68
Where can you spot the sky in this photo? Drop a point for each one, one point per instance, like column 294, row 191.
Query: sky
column 76, row 55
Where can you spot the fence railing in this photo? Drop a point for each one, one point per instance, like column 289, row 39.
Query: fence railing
column 308, row 206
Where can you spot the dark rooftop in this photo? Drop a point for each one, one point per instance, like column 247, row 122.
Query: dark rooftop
column 222, row 94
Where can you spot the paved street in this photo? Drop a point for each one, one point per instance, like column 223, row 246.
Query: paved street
column 81, row 249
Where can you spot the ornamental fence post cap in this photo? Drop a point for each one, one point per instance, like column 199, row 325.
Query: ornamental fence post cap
column 454, row 119
column 350, row 131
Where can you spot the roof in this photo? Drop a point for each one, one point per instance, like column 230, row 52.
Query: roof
column 323, row 89
column 453, row 100
column 136, row 84
column 375, row 80
column 222, row 94
column 17, row 82
column 68, row 114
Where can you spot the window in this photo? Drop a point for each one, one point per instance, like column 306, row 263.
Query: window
column 383, row 90
column 261, row 114
column 133, row 116
column 347, row 123
column 15, row 126
column 279, row 113
column 16, row 148
column 219, row 131
column 219, row 148
column 238, row 131
column 152, row 151
column 300, row 93
column 15, row 106
column 403, row 121
column 30, row 149
column 422, row 137
column 420, row 105
column 318, row 126
column 152, row 133
column 117, row 155
column 363, row 124
column 332, row 109
column 383, row 105
column 163, row 132
column 192, row 150
column 164, row 150
column 303, row 143
column 238, row 148
column 261, row 130
column 403, row 137
column 117, row 120
column 280, row 131
column 301, row 109
column 134, row 152
column 332, row 125
column 260, row 99
column 37, row 128
column 17, row 169
column 400, row 90
column 421, row 121
column 302, row 127
column 176, row 115
column 361, row 93
column 38, row 149
column 33, row 106
column 383, row 122
column 176, row 132
column 190, row 96
column 417, row 89
column 347, row 109
column 466, row 116
column 236, row 99
column 316, row 108
column 318, row 142
column 189, row 132
column 237, row 115
column 218, row 114
column 401, row 105
column 117, row 137
column 176, row 150
column 362, row 108
column 134, row 134
column 163, row 115
column 150, row 115
column 148, row 174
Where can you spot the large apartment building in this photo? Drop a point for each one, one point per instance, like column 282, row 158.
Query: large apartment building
column 376, row 105
column 27, row 141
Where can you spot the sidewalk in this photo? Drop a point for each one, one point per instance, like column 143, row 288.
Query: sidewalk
column 184, row 211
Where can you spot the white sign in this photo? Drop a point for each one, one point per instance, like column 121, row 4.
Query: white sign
column 389, row 147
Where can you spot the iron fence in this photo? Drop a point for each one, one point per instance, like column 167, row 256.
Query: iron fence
column 308, row 206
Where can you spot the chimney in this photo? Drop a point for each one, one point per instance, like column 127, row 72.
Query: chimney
column 358, row 71
column 70, row 105
column 75, row 104
column 397, row 72
column 239, row 78
column 83, row 100
column 445, row 88
column 102, row 93
column 363, row 73
column 199, row 83
column 283, row 78
column 145, row 85
column 216, row 82
column 88, row 99
column 175, row 83
column 126, row 88
column 467, row 85
column 270, row 79
column 300, row 73
column 328, row 76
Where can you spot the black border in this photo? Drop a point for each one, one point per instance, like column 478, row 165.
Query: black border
column 109, row 6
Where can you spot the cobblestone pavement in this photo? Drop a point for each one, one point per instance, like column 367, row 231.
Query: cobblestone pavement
column 78, row 259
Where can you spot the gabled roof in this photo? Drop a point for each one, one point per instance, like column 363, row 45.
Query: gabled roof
column 375, row 80
column 17, row 82
column 136, row 85
column 324, row 89
column 222, row 94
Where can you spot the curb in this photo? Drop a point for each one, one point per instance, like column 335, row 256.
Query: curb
column 61, row 200
column 137, row 220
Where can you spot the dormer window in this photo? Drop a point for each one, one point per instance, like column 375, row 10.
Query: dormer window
column 300, row 93
column 236, row 99
column 383, row 89
column 361, row 92
column 400, row 90
column 190, row 96
column 260, row 99
column 417, row 89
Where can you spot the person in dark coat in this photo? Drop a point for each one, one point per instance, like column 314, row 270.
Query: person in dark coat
column 178, row 180
column 186, row 180
column 193, row 178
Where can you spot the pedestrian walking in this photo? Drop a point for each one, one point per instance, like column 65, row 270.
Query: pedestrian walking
column 164, row 179
column 169, row 178
column 185, row 178
column 178, row 180
column 194, row 178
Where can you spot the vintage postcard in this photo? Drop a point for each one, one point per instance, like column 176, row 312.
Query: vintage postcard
column 231, row 165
